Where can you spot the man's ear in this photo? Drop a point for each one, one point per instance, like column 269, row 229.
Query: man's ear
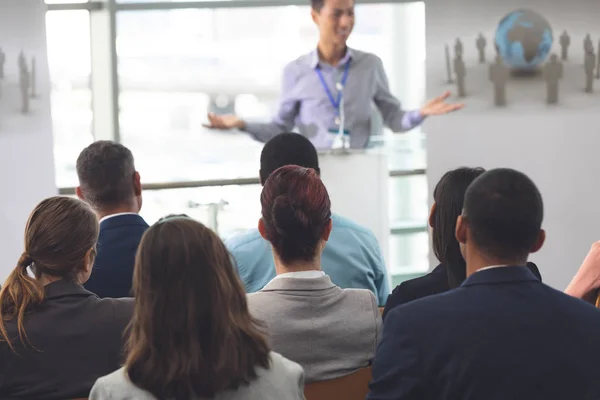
column 262, row 229
column 314, row 15
column 137, row 184
column 539, row 241
column 79, row 193
column 461, row 229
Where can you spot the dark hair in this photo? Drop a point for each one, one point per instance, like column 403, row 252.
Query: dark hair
column 58, row 235
column 295, row 211
column 287, row 149
column 106, row 171
column 191, row 334
column 449, row 195
column 504, row 211
column 317, row 5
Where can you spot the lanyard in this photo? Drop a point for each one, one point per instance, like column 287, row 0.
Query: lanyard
column 335, row 104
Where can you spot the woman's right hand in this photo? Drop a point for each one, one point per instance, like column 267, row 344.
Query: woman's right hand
column 224, row 122
column 586, row 281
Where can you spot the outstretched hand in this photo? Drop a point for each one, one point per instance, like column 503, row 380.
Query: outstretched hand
column 587, row 279
column 438, row 106
column 223, row 122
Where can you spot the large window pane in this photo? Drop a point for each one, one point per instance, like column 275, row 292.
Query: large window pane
column 69, row 57
column 176, row 65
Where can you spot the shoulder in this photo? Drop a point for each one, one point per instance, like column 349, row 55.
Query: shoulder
column 281, row 367
column 299, row 65
column 362, row 300
column 345, row 225
column 432, row 283
column 247, row 239
column 115, row 385
column 120, row 310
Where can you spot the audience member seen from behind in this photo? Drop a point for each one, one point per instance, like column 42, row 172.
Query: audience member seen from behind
column 328, row 330
column 448, row 198
column 352, row 258
column 56, row 338
column 192, row 335
column 506, row 335
column 109, row 182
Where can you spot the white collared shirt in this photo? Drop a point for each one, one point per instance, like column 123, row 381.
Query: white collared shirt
column 491, row 267
column 115, row 215
column 301, row 275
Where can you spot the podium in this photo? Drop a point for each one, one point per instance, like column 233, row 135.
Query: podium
column 357, row 182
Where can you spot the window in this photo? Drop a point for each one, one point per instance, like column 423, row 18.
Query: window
column 176, row 65
column 68, row 38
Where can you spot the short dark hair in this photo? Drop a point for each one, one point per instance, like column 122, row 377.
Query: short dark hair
column 192, row 334
column 295, row 211
column 449, row 195
column 504, row 211
column 317, row 5
column 105, row 170
column 287, row 149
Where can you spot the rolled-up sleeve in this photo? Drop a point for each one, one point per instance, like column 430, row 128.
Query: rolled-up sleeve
column 287, row 111
column 394, row 117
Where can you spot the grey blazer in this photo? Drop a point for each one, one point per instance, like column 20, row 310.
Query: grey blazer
column 329, row 331
column 283, row 381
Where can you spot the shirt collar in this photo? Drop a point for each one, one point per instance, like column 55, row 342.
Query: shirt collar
column 301, row 275
column 314, row 58
column 490, row 267
column 115, row 215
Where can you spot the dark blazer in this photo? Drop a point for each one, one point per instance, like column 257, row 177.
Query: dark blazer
column 433, row 283
column 501, row 335
column 120, row 236
column 77, row 338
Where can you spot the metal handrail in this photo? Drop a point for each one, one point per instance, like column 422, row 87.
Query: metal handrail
column 68, row 191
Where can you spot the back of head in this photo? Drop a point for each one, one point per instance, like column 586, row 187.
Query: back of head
column 449, row 195
column 295, row 211
column 60, row 240
column 504, row 212
column 192, row 333
column 287, row 149
column 106, row 174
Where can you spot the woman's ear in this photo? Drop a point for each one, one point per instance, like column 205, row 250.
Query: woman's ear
column 262, row 229
column 327, row 230
column 432, row 214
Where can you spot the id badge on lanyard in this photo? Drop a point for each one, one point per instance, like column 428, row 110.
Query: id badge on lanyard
column 339, row 130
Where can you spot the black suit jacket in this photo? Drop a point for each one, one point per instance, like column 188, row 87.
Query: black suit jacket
column 120, row 236
column 77, row 339
column 433, row 283
column 501, row 335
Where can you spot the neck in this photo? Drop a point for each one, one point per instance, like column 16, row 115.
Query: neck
column 47, row 279
column 130, row 207
column 283, row 268
column 331, row 53
column 477, row 261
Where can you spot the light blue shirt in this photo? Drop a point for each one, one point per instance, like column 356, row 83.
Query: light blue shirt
column 352, row 258
column 304, row 103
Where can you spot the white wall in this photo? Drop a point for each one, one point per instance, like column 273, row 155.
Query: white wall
column 26, row 161
column 556, row 146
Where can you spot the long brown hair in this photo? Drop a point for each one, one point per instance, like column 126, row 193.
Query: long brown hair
column 192, row 333
column 59, row 234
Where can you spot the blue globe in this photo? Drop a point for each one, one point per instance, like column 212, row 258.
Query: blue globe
column 524, row 39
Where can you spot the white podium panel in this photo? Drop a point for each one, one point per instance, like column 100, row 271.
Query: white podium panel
column 26, row 146
column 357, row 183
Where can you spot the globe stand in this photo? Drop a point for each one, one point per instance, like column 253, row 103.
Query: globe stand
column 526, row 73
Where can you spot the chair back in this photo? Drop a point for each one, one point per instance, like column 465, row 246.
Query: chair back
column 350, row 387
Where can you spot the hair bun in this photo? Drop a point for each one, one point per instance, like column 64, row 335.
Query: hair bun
column 287, row 216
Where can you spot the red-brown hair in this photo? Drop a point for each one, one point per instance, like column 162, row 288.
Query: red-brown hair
column 295, row 210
